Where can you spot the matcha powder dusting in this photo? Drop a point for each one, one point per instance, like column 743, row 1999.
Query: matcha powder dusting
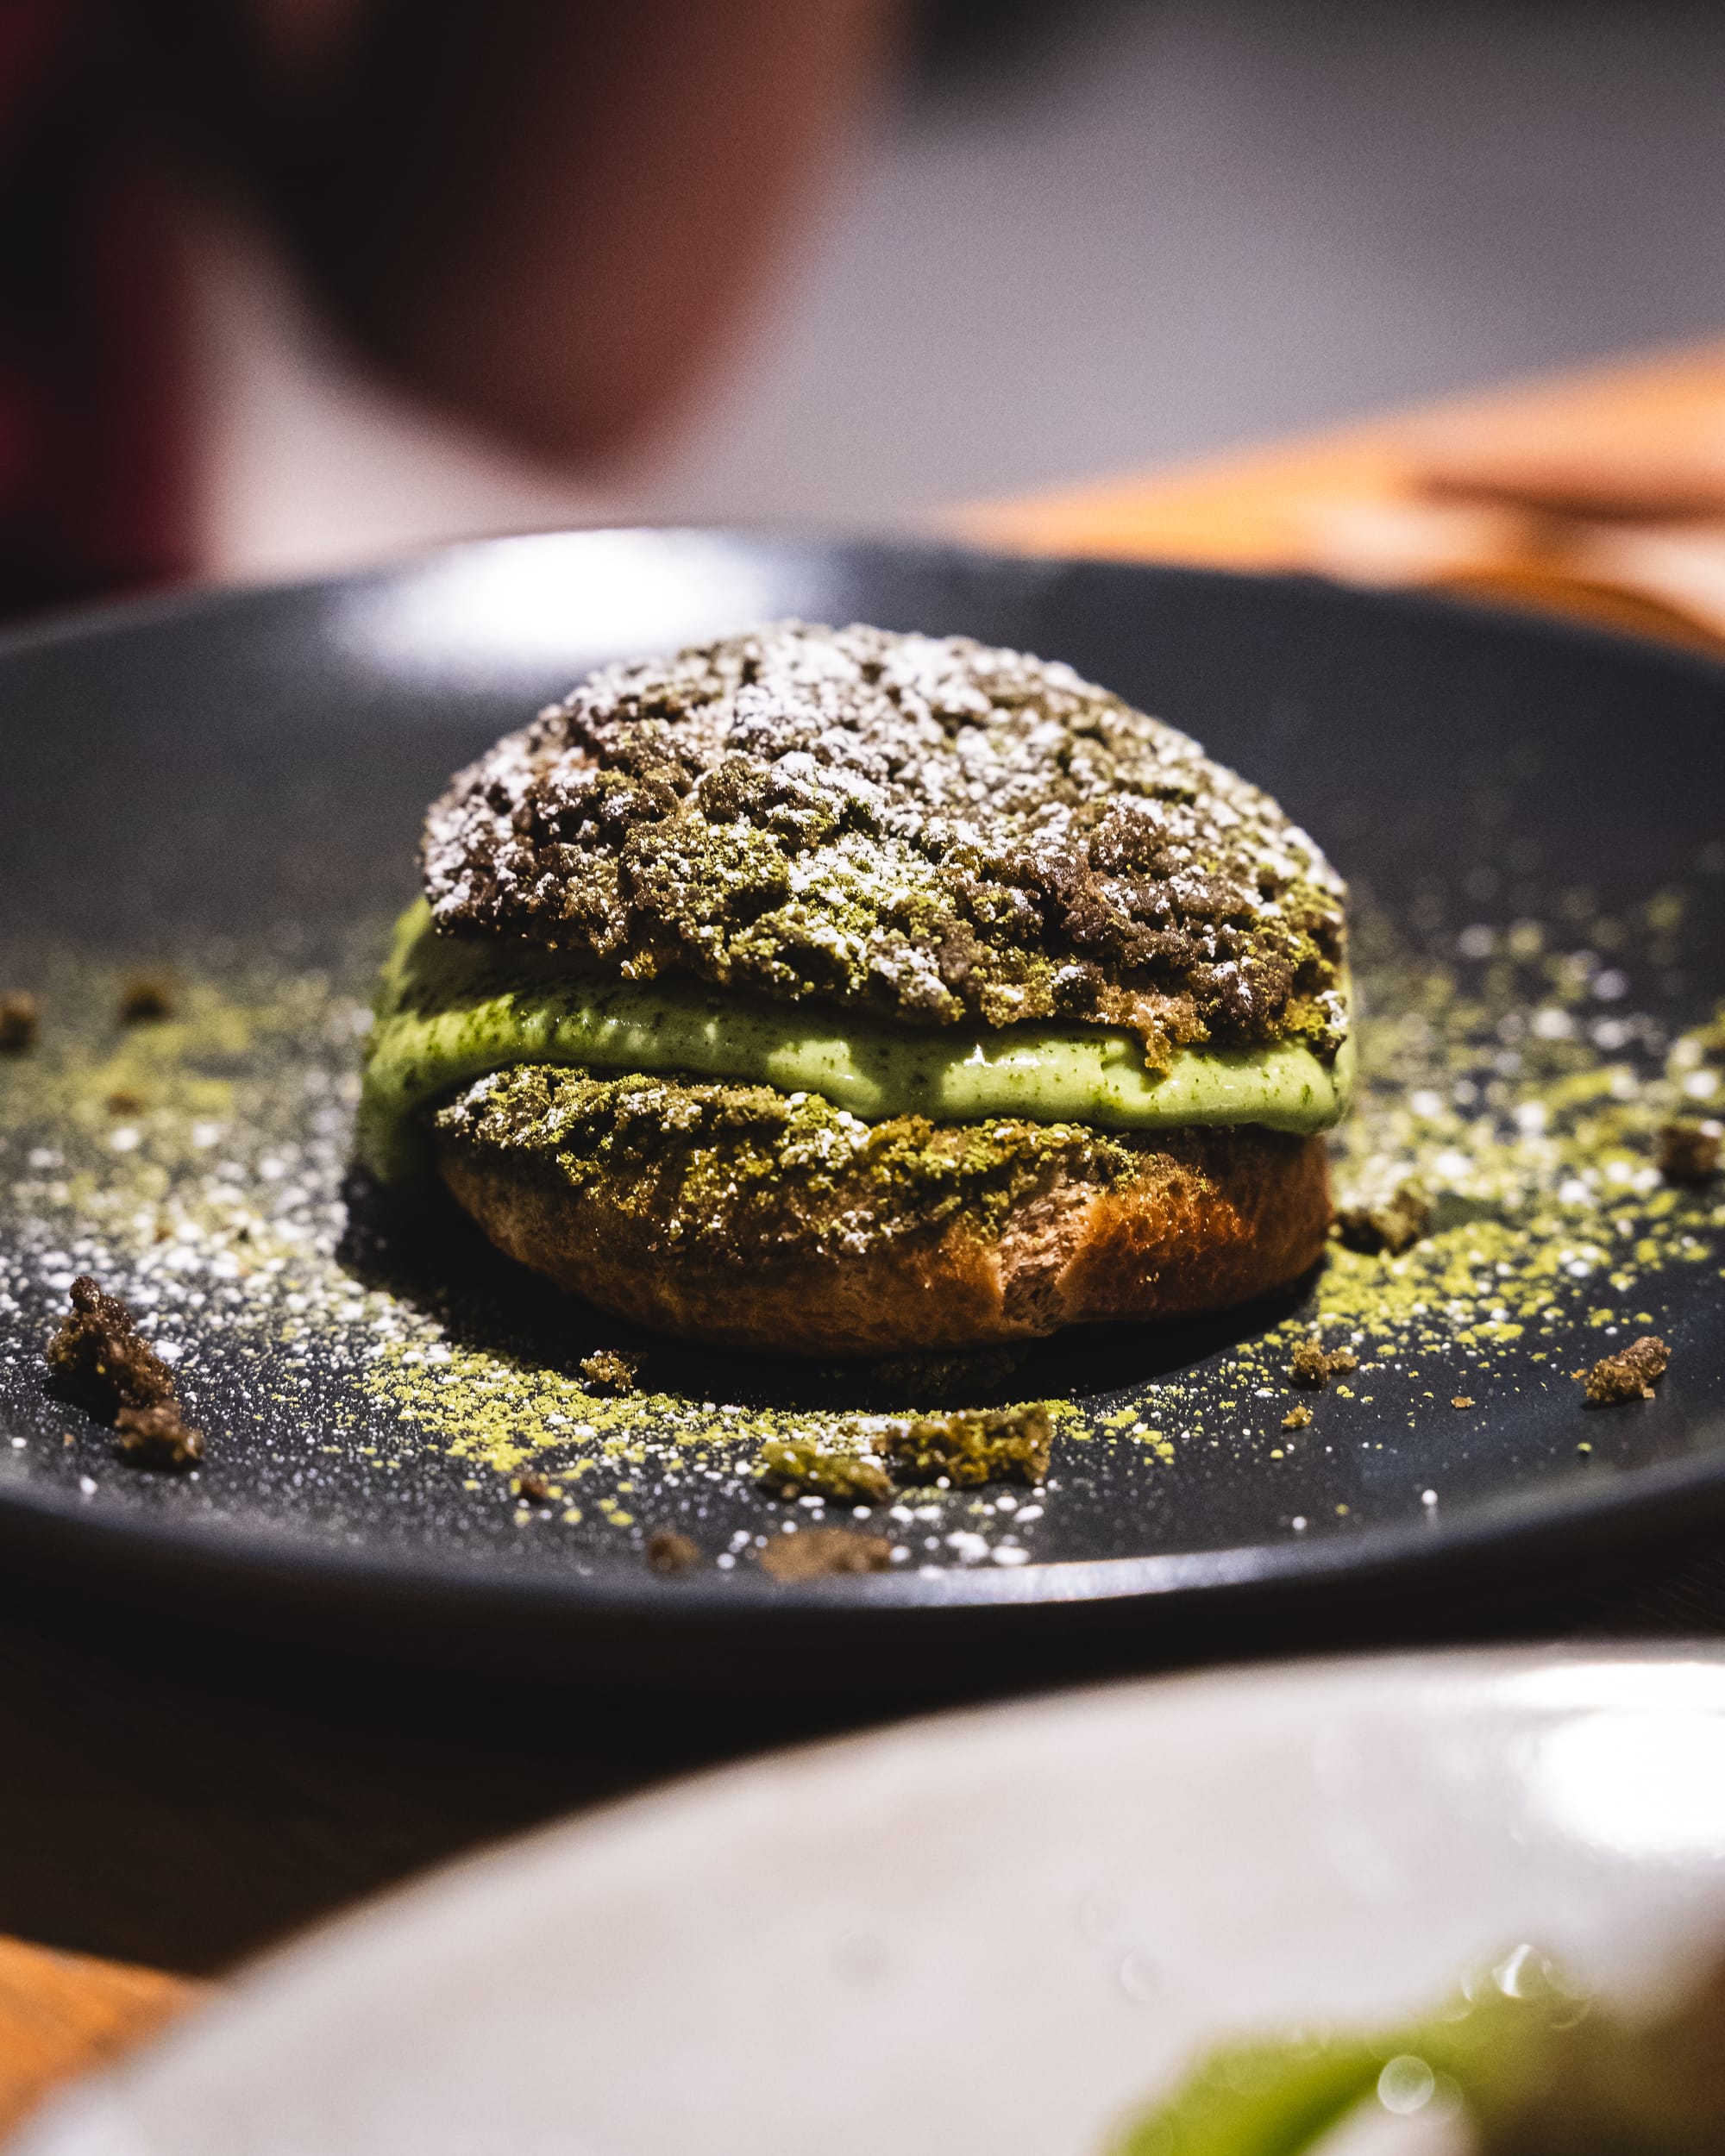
column 1513, row 1209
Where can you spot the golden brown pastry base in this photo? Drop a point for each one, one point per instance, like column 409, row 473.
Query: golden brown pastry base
column 1215, row 1218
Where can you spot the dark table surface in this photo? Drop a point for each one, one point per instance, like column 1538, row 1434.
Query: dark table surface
column 181, row 1802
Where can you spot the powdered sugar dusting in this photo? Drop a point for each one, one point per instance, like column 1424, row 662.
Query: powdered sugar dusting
column 926, row 826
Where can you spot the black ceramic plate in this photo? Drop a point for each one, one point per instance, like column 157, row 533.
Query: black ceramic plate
column 228, row 789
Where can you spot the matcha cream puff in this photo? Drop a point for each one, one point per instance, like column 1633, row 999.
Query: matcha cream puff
column 843, row 992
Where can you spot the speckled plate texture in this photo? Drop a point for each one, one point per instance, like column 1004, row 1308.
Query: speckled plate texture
column 1000, row 1931
column 224, row 793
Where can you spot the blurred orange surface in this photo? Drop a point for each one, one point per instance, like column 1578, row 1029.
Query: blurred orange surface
column 1599, row 493
column 63, row 2013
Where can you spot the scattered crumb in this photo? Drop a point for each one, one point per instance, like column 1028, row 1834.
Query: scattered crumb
column 1312, row 1368
column 1296, row 1418
column 967, row 1446
column 828, row 1468
column 1629, row 1375
column 532, row 1488
column 158, row 1437
column 815, row 1553
column 1688, row 1152
column 99, row 1360
column 1403, row 1218
column 1464, row 1400
column 610, row 1371
column 670, row 1552
column 145, row 997
column 992, row 1444
column 18, row 1021
column 122, row 1102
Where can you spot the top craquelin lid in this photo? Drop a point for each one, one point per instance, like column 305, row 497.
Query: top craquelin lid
column 925, row 827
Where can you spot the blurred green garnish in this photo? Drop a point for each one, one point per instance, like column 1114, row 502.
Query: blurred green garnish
column 1532, row 2065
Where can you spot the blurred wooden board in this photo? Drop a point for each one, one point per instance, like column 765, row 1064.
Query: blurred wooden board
column 61, row 2013
column 1366, row 499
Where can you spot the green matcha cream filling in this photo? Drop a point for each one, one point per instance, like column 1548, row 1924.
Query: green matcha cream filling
column 450, row 1009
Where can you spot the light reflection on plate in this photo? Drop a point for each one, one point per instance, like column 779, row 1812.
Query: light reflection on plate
column 520, row 606
column 1648, row 1785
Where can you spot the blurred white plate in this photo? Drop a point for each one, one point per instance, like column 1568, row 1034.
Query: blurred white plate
column 993, row 1931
